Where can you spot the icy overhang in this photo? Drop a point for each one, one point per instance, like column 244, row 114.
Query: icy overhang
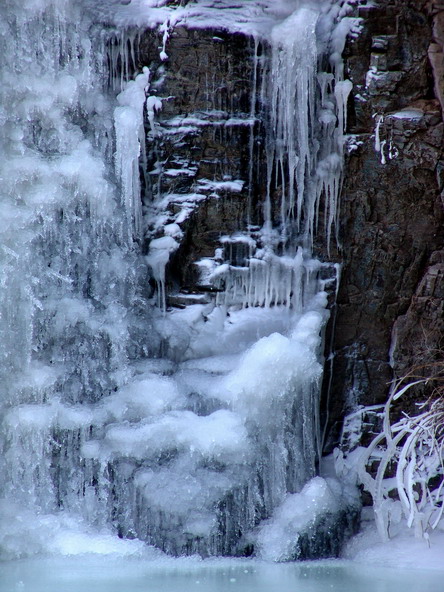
column 250, row 17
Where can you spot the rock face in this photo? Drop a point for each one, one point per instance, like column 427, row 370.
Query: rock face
column 389, row 308
column 389, row 305
column 206, row 139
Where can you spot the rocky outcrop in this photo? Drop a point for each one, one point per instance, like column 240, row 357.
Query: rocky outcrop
column 436, row 48
column 419, row 333
column 389, row 311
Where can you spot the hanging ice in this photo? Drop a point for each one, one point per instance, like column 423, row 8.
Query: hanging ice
column 305, row 140
column 130, row 141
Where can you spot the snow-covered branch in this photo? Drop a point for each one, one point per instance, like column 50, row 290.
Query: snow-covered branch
column 403, row 467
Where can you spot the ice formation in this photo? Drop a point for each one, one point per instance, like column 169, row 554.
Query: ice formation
column 130, row 138
column 185, row 427
column 296, row 528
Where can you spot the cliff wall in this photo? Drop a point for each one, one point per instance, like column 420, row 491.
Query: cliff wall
column 390, row 307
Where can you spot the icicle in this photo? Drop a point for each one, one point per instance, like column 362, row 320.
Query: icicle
column 379, row 121
column 294, row 62
column 153, row 105
column 122, row 58
column 253, row 101
column 165, row 29
column 342, row 91
column 130, row 134
column 157, row 259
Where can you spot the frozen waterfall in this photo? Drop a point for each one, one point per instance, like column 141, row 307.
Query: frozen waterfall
column 124, row 418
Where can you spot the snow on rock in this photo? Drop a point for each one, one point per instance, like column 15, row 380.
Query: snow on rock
column 216, row 186
column 220, row 435
column 408, row 114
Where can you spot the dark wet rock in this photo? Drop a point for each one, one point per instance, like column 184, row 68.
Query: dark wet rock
column 327, row 535
column 389, row 312
column 203, row 140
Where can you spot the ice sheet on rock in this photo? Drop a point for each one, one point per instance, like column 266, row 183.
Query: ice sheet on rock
column 214, row 364
column 141, row 399
column 190, row 505
column 91, row 423
column 154, row 366
column 220, row 435
column 215, row 331
column 37, row 383
column 198, row 382
column 69, row 278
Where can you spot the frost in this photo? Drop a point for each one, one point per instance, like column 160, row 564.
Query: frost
column 414, row 445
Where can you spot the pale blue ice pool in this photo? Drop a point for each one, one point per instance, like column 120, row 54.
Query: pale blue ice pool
column 108, row 574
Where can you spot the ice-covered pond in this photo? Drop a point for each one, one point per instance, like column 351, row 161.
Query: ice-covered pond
column 86, row 574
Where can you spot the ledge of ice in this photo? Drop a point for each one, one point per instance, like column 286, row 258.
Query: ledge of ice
column 410, row 113
column 257, row 17
column 230, row 186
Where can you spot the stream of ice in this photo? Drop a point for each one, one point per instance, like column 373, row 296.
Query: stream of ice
column 122, row 421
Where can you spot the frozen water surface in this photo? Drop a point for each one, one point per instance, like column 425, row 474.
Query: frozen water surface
column 87, row 574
